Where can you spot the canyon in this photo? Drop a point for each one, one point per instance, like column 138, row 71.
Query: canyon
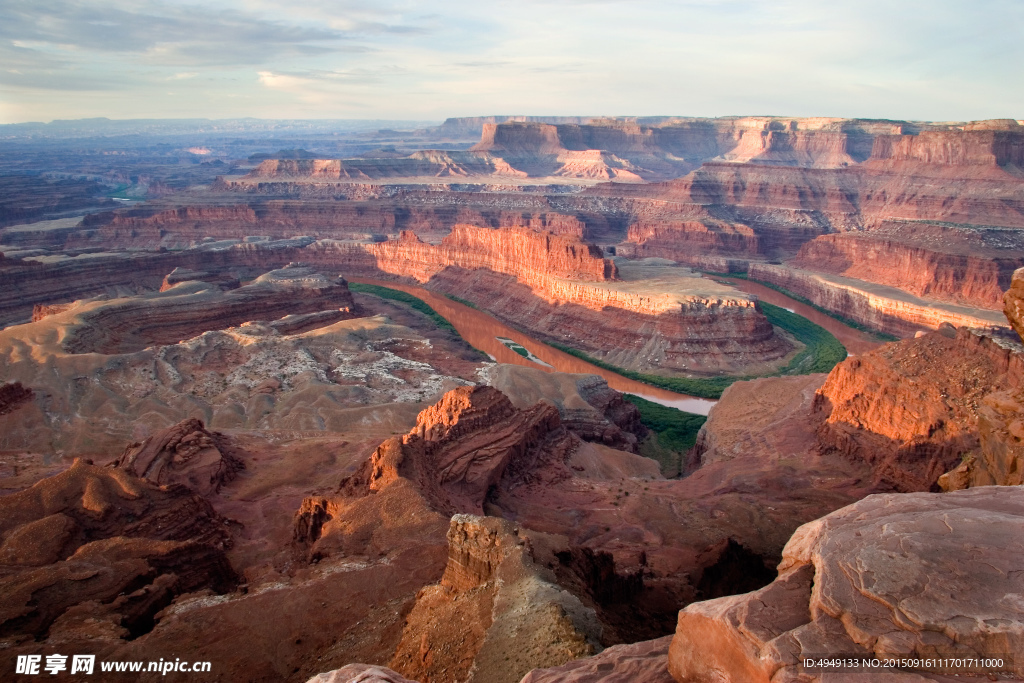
column 330, row 413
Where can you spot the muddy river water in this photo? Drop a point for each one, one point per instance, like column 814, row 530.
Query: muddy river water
column 482, row 331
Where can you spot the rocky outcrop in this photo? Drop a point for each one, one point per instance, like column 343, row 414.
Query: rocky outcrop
column 910, row 409
column 884, row 577
column 463, row 446
column 190, row 308
column 179, row 275
column 117, row 546
column 999, row 458
column 966, row 267
column 886, row 309
column 496, row 613
column 360, row 673
column 534, row 258
column 645, row 661
column 12, row 396
column 1013, row 303
column 185, row 454
column 587, row 405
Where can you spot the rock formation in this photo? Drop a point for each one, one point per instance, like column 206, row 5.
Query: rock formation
column 191, row 308
column 970, row 267
column 360, row 673
column 885, row 577
column 496, row 613
column 563, row 289
column 185, row 454
column 1013, row 303
column 586, row 404
column 252, row 377
column 13, row 395
column 886, row 309
column 999, row 457
column 644, row 661
column 179, row 275
column 910, row 409
column 101, row 534
column 466, row 444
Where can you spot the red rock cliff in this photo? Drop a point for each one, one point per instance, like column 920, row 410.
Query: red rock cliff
column 532, row 257
column 968, row 267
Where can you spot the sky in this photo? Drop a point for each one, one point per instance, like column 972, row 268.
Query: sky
column 427, row 60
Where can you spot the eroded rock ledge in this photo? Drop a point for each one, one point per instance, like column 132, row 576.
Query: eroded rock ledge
column 887, row 576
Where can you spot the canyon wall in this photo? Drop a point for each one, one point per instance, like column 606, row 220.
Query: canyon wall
column 58, row 279
column 190, row 308
column 151, row 227
column 882, row 309
column 970, row 267
column 535, row 258
column 985, row 148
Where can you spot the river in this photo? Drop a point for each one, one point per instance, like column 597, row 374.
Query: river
column 482, row 330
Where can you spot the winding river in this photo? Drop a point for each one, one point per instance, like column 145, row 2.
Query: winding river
column 482, row 330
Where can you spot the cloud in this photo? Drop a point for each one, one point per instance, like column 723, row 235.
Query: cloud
column 398, row 58
column 162, row 34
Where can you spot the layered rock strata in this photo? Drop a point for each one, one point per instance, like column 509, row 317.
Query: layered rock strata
column 564, row 290
column 586, row 404
column 101, row 534
column 885, row 577
column 471, row 441
column 910, row 409
column 191, row 308
column 536, row 259
column 881, row 308
column 185, row 454
column 357, row 218
column 969, row 267
column 496, row 613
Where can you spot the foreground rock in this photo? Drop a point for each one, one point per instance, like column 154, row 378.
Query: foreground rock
column 360, row 673
column 645, row 661
column 115, row 546
column 887, row 576
column 497, row 611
